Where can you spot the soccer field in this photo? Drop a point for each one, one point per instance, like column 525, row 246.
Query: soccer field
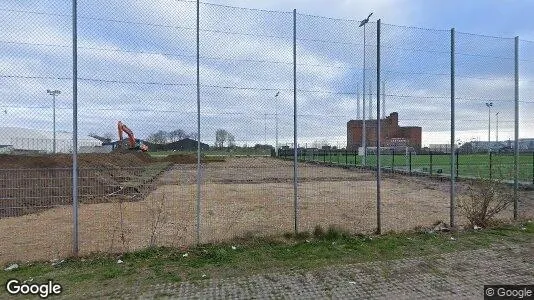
column 494, row 166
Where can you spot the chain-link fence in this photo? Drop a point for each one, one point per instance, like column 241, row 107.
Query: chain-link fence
column 304, row 122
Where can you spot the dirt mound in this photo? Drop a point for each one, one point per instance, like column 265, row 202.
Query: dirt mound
column 31, row 184
column 90, row 160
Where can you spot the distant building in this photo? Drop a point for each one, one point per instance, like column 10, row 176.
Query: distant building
column 28, row 140
column 392, row 135
column 186, row 144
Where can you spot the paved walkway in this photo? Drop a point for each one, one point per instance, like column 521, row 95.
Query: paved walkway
column 459, row 275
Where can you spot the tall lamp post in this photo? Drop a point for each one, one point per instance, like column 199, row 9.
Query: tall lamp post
column 54, row 93
column 489, row 105
column 363, row 23
column 276, row 112
column 497, row 128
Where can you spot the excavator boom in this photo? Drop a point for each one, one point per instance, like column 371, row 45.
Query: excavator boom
column 121, row 127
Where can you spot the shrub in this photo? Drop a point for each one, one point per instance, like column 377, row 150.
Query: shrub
column 484, row 199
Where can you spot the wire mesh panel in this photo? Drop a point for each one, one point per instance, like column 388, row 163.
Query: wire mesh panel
column 526, row 123
column 485, row 109
column 35, row 216
column 333, row 189
column 485, row 106
column 415, row 126
column 246, row 113
column 137, row 65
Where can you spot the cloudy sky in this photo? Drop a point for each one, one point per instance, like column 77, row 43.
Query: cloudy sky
column 137, row 64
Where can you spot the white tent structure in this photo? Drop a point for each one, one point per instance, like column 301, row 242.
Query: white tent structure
column 41, row 140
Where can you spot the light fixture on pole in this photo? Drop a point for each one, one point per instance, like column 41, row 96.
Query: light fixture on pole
column 276, row 110
column 54, row 93
column 363, row 23
column 489, row 105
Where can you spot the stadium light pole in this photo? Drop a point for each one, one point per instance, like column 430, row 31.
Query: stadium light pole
column 489, row 105
column 363, row 23
column 54, row 93
column 497, row 128
column 276, row 113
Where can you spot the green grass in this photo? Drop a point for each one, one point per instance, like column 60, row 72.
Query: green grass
column 148, row 173
column 256, row 255
column 469, row 165
column 215, row 152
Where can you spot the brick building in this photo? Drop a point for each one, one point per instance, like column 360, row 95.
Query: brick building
column 392, row 135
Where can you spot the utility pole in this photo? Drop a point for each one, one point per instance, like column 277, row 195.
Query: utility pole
column 489, row 105
column 362, row 23
column 497, row 128
column 54, row 93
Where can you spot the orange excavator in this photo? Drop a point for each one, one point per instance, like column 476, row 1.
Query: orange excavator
column 132, row 144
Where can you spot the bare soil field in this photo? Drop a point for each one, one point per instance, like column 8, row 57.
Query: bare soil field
column 239, row 197
column 30, row 184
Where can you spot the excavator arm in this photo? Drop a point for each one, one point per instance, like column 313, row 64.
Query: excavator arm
column 121, row 127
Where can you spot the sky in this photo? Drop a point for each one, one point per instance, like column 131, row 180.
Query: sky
column 136, row 63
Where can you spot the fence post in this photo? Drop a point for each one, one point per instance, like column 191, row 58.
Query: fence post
column 393, row 161
column 378, row 171
column 295, row 145
column 430, row 163
column 491, row 169
column 516, row 131
column 198, row 124
column 75, row 126
column 457, row 163
column 337, row 156
column 410, row 162
column 346, row 158
column 452, row 179
column 356, row 155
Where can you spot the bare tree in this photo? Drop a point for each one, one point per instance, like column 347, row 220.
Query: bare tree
column 177, row 135
column 159, row 137
column 221, row 136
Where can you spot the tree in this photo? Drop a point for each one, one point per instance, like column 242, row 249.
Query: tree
column 231, row 140
column 177, row 135
column 224, row 138
column 221, row 136
column 159, row 137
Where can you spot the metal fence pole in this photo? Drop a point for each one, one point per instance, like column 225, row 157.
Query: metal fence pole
column 490, row 165
column 410, row 162
column 364, row 138
column 452, row 187
column 75, row 125
column 198, row 122
column 430, row 163
column 378, row 171
column 295, row 146
column 457, row 163
column 516, row 142
column 393, row 160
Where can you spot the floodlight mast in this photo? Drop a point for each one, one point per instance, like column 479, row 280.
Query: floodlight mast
column 54, row 93
column 489, row 105
column 363, row 23
column 497, row 127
